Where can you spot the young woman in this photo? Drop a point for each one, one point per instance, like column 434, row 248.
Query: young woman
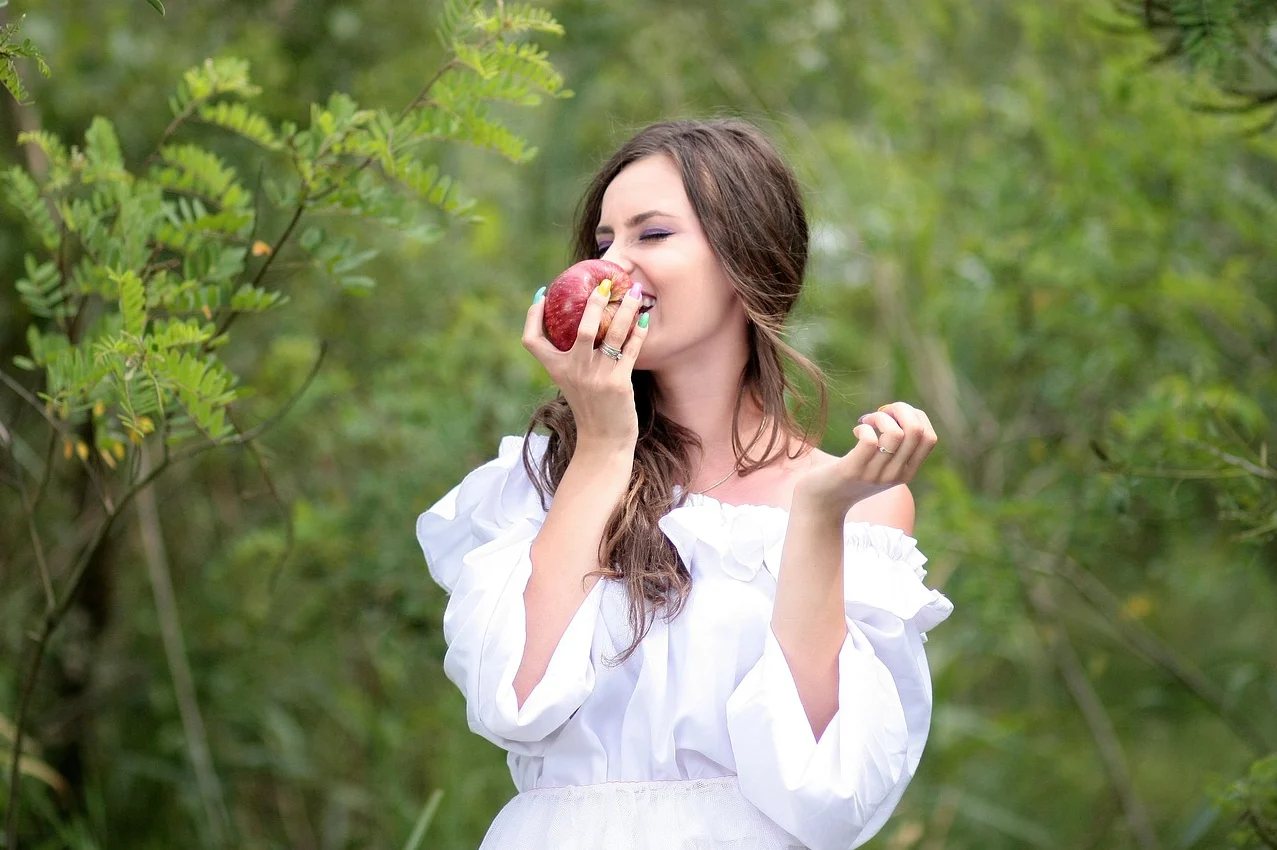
column 669, row 669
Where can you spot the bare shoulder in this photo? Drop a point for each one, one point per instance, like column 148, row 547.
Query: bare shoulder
column 892, row 507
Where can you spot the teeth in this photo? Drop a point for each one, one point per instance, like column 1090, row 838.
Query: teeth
column 649, row 301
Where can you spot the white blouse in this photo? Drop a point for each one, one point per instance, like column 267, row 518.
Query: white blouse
column 708, row 694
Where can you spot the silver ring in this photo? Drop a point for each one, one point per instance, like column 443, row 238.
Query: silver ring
column 614, row 353
column 885, row 450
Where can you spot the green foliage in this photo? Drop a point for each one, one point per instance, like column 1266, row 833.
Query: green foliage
column 1251, row 803
column 10, row 51
column 136, row 268
column 1227, row 42
column 176, row 238
column 1017, row 225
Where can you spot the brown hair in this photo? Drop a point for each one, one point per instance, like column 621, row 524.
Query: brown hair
column 750, row 207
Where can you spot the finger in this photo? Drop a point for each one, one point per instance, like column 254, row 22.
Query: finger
column 534, row 339
column 866, row 441
column 906, row 416
column 928, row 430
column 890, row 435
column 630, row 352
column 589, row 327
column 927, row 441
column 623, row 322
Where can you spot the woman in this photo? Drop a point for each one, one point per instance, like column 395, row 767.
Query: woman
column 670, row 669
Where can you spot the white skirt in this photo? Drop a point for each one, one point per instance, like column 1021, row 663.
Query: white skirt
column 694, row 814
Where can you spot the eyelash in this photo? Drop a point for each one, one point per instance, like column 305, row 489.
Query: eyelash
column 649, row 236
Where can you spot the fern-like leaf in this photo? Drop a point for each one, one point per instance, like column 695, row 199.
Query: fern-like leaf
column 518, row 18
column 52, row 147
column 456, row 20
column 191, row 169
column 239, row 119
column 42, row 290
column 213, row 78
column 24, row 194
column 132, row 301
column 103, row 158
column 254, row 299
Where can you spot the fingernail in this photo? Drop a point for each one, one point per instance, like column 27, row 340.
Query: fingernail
column 884, row 407
column 643, row 320
column 536, row 299
column 862, row 419
column 635, row 291
column 605, row 288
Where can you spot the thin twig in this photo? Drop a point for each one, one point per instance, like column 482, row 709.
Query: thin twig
column 1148, row 645
column 157, row 568
column 270, row 422
column 172, row 128
column 37, row 547
column 289, row 529
column 15, row 759
column 28, row 511
column 64, row 430
column 1095, row 715
column 1239, row 462
column 72, row 585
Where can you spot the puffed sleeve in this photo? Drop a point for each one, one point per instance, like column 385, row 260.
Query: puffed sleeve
column 477, row 541
column 837, row 792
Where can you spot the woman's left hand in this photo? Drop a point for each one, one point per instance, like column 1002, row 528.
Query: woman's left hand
column 891, row 445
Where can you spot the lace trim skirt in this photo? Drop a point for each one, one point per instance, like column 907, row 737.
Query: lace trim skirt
column 694, row 814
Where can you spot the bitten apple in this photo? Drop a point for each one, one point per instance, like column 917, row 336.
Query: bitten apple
column 565, row 300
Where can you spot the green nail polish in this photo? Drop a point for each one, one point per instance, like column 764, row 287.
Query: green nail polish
column 536, row 299
column 643, row 320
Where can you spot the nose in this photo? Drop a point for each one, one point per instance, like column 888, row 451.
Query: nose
column 616, row 254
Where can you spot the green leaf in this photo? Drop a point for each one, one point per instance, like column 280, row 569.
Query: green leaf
column 157, row 5
column 24, row 194
column 238, row 118
column 102, row 150
column 132, row 301
column 41, row 290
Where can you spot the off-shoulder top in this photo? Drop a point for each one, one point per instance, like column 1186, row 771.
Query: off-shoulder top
column 706, row 694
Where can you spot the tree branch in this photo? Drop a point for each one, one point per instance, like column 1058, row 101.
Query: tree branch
column 1093, row 712
column 157, row 567
column 1154, row 650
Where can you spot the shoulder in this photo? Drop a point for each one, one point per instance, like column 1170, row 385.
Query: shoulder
column 894, row 507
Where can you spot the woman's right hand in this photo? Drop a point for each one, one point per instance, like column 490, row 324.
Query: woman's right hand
column 596, row 387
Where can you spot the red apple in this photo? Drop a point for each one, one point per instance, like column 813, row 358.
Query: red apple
column 565, row 300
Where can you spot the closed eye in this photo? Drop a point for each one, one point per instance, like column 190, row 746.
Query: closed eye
column 654, row 235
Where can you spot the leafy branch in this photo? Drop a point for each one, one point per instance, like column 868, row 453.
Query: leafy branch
column 168, row 255
column 1227, row 41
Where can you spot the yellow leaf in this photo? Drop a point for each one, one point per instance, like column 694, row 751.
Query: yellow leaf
column 208, row 314
column 99, row 407
column 1137, row 607
column 261, row 249
column 145, row 425
column 67, row 448
column 82, row 449
column 118, row 450
column 37, row 769
column 107, row 458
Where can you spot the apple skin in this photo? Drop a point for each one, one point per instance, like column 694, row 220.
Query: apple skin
column 565, row 300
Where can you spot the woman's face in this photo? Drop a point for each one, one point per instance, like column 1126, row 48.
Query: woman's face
column 647, row 227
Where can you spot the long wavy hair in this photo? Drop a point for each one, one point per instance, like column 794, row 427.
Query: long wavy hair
column 750, row 207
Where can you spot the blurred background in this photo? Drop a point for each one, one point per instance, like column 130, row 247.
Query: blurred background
column 1026, row 220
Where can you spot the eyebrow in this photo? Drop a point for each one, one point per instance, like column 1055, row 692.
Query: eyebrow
column 635, row 221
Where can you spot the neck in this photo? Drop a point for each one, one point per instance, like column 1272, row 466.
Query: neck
column 703, row 399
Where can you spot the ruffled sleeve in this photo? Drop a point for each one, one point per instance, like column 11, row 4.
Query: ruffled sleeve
column 837, row 792
column 477, row 541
